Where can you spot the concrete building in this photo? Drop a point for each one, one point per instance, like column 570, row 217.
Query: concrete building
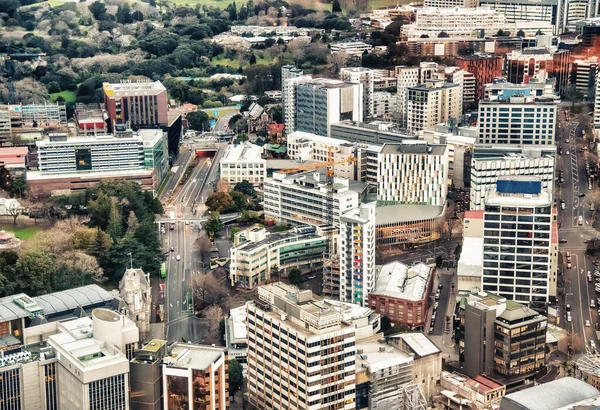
column 501, row 337
column 577, row 10
column 584, row 73
column 549, row 11
column 146, row 376
column 137, row 104
column 194, row 376
column 243, row 162
column 322, row 102
column 413, row 172
column 519, row 211
column 294, row 338
column 385, row 104
column 484, row 67
column 540, row 62
column 402, row 293
column 290, row 78
column 542, row 90
column 366, row 77
column 451, row 3
column 256, row 253
column 353, row 48
column 466, row 81
column 491, row 162
column 302, row 198
column 357, row 254
column 481, row 392
column 236, row 336
column 135, row 290
column 455, row 21
column 410, row 77
column 405, row 226
column 156, row 152
column 597, row 106
column 374, row 132
column 567, row 393
column 432, row 103
column 589, row 30
column 517, row 119
column 469, row 269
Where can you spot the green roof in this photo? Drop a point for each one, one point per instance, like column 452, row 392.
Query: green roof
column 277, row 148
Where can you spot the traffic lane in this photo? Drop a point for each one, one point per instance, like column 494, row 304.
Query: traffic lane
column 441, row 311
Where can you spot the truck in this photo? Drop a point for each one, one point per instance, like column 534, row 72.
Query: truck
column 580, row 220
column 172, row 217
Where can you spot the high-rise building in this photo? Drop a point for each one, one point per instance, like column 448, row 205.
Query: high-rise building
column 484, row 67
column 357, row 254
column 517, row 118
column 597, row 105
column 375, row 132
column 366, row 77
column 540, row 62
column 136, row 104
column 432, row 103
column 589, row 30
column 290, row 77
column 466, row 82
column 493, row 162
column 385, row 104
column 409, row 77
column 550, row 11
column 499, row 336
column 577, row 10
column 584, row 73
column 301, row 354
column 146, row 376
column 322, row 102
column 518, row 241
column 195, row 377
column 413, row 172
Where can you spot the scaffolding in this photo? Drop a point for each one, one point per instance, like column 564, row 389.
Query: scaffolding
column 413, row 399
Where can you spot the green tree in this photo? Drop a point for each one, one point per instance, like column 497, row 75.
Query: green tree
column 33, row 272
column 124, row 14
column 221, row 202
column 336, row 7
column 520, row 33
column 252, row 59
column 236, row 377
column 98, row 9
column 115, row 224
column 394, row 28
column 100, row 211
column 17, row 186
column 245, row 188
column 197, row 120
column 132, row 222
column 295, row 277
column 214, row 224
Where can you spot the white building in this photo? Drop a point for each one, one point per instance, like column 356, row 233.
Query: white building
column 492, row 162
column 432, row 103
column 302, row 198
column 410, row 77
column 549, row 11
column 356, row 48
column 243, row 162
column 384, row 104
column 519, row 213
column 294, row 338
column 357, row 254
column 366, row 77
column 583, row 74
column 290, row 78
column 577, row 10
column 467, row 83
column 413, row 172
column 597, row 105
column 455, row 22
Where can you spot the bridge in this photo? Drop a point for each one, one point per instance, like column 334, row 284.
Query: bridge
column 225, row 218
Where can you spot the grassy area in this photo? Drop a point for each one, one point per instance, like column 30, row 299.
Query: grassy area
column 225, row 62
column 69, row 96
column 378, row 4
column 22, row 233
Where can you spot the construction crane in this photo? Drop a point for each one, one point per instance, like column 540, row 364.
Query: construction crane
column 328, row 261
column 9, row 59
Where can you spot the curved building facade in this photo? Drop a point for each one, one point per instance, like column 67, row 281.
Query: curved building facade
column 408, row 224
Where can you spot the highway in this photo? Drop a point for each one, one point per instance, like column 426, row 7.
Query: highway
column 578, row 291
column 181, row 163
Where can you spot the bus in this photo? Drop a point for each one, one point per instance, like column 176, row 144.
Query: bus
column 163, row 270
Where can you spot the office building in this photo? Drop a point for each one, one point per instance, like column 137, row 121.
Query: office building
column 566, row 393
column 375, row 132
column 493, row 162
column 413, row 172
column 481, row 392
column 302, row 198
column 257, row 255
column 406, row 225
column 402, row 293
column 156, row 152
column 597, row 106
column 432, row 103
column 294, row 340
column 455, row 21
column 540, row 62
column 466, row 81
column 584, row 73
column 352, row 48
column 243, row 162
column 409, row 77
column 517, row 119
column 385, row 104
column 288, row 94
column 357, row 254
column 366, row 77
column 484, row 67
column 236, row 336
column 36, row 115
column 549, row 11
column 501, row 337
column 195, row 376
column 589, row 30
column 577, row 10
column 501, row 90
column 322, row 102
column 146, row 376
column 138, row 104
column 519, row 212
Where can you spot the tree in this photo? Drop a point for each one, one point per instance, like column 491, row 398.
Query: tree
column 213, row 314
column 98, row 9
column 197, row 120
column 395, row 27
column 295, row 277
column 338, row 61
column 221, row 202
column 336, row 7
column 214, row 224
column 443, row 34
column 17, row 186
column 252, row 59
column 520, row 33
column 236, row 377
column 245, row 188
column 115, row 224
column 14, row 210
column 502, row 33
column 202, row 245
column 124, row 14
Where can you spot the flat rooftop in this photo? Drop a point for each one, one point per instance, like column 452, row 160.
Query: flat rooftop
column 389, row 214
column 378, row 356
column 399, row 281
column 418, row 343
column 125, row 88
column 414, row 147
column 243, row 153
column 190, row 356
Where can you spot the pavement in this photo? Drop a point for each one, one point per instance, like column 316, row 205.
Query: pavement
column 180, row 165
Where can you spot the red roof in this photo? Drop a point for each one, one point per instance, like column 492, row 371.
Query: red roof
column 473, row 214
column 13, row 155
column 276, row 127
column 484, row 383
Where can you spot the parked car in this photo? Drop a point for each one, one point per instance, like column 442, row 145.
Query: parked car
column 587, row 323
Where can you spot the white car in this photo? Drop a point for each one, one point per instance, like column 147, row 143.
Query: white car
column 587, row 323
column 568, row 153
column 178, row 257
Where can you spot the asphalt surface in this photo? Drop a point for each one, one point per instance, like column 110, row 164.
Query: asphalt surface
column 578, row 291
column 182, row 161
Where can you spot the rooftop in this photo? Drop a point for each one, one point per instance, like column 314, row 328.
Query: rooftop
column 518, row 190
column 272, row 237
column 399, row 281
column 379, row 356
column 414, row 147
column 190, row 356
column 125, row 88
column 245, row 152
column 550, row 396
column 471, row 262
column 87, row 353
column 138, row 172
column 418, row 343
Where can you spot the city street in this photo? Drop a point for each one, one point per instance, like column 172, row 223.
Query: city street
column 578, row 291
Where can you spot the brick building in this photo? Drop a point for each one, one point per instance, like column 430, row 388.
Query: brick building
column 485, row 67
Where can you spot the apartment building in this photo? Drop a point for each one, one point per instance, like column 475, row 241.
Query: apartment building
column 374, row 132
column 576, row 10
column 517, row 119
column 584, row 73
column 366, row 77
column 455, row 21
column 402, row 293
column 540, row 62
column 322, row 102
column 432, row 103
column 301, row 355
column 484, row 67
column 357, row 254
column 597, row 105
column 243, row 162
column 466, row 82
column 290, row 77
column 302, row 198
column 409, row 77
column 195, row 376
column 257, row 255
column 501, row 337
column 385, row 104
column 493, row 162
column 413, row 172
column 136, row 103
column 517, row 237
